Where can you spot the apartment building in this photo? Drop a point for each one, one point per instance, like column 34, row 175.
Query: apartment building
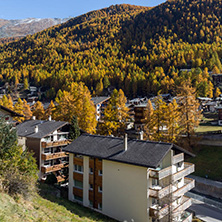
column 100, row 103
column 46, row 138
column 130, row 180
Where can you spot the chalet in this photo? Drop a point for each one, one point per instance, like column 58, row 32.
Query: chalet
column 46, row 138
column 130, row 180
column 8, row 114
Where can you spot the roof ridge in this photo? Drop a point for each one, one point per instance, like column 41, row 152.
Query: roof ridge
column 121, row 138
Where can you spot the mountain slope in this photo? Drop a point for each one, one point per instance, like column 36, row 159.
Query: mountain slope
column 23, row 27
column 138, row 49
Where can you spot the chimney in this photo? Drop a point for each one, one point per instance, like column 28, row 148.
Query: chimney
column 36, row 129
column 141, row 135
column 125, row 142
column 33, row 117
column 50, row 118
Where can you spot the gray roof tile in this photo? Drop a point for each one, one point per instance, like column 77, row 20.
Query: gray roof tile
column 141, row 153
column 45, row 127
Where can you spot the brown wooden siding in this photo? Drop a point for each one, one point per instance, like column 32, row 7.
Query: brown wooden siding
column 96, row 180
column 77, row 192
column 90, row 178
column 78, row 161
column 78, row 176
column 91, row 195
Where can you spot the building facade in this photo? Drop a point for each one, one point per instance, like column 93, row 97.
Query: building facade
column 100, row 104
column 46, row 138
column 130, row 180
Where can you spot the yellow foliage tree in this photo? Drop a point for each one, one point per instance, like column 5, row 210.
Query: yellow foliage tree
column 50, row 110
column 18, row 108
column 190, row 114
column 115, row 115
column 38, row 110
column 217, row 92
column 148, row 128
column 27, row 110
column 76, row 102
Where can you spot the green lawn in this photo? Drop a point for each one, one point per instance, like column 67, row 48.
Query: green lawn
column 208, row 161
column 206, row 123
column 45, row 207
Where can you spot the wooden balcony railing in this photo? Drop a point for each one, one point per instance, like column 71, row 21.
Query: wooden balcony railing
column 48, row 169
column 188, row 185
column 160, row 174
column 50, row 156
column 178, row 158
column 188, row 169
column 55, row 143
column 186, row 217
column 158, row 192
column 158, row 213
column 60, row 179
column 185, row 203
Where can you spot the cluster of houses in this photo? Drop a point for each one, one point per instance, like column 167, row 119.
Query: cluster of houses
column 125, row 179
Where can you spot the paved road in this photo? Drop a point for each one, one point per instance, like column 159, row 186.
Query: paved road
column 206, row 212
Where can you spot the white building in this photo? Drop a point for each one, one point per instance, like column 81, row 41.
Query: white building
column 130, row 180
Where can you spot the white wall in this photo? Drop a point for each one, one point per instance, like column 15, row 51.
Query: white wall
column 125, row 195
column 71, row 182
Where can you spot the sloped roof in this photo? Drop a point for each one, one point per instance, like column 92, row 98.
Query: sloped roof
column 99, row 99
column 139, row 152
column 45, row 127
column 13, row 113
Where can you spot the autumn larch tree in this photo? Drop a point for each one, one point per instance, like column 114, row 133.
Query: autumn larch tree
column 115, row 115
column 76, row 101
column 38, row 110
column 19, row 108
column 190, row 114
column 27, row 110
column 148, row 128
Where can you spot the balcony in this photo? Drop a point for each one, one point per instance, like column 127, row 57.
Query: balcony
column 178, row 158
column 159, row 212
column 50, row 156
column 189, row 184
column 188, row 169
column 55, row 143
column 60, row 179
column 186, row 217
column 160, row 192
column 48, row 169
column 160, row 173
column 185, row 203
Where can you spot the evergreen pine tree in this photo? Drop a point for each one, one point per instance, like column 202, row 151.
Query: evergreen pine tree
column 74, row 131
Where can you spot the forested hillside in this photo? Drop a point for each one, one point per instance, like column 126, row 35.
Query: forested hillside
column 138, row 49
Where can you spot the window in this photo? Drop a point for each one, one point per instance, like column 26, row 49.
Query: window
column 78, row 198
column 90, row 203
column 100, row 189
column 47, row 150
column 90, row 187
column 78, row 168
column 100, row 172
column 155, row 182
column 100, row 206
column 91, row 170
column 47, row 162
column 78, row 184
column 78, row 156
